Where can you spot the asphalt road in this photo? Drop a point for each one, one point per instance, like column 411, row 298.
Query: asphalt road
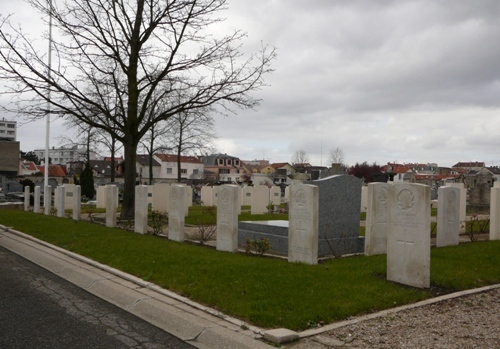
column 41, row 310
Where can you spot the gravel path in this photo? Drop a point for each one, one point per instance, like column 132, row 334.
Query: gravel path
column 471, row 321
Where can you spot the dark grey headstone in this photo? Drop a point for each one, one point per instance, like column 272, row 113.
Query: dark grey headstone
column 339, row 215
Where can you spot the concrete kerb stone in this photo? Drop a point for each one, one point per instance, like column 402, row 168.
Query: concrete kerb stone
column 281, row 335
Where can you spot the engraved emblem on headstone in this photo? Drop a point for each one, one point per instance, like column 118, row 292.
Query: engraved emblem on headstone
column 452, row 198
column 300, row 199
column 405, row 199
column 174, row 194
column 225, row 198
column 383, row 195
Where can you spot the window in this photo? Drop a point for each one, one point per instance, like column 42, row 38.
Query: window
column 10, row 132
column 195, row 171
column 229, row 162
column 223, row 170
column 184, row 171
column 2, row 131
column 237, row 162
column 221, row 161
column 169, row 170
column 11, row 126
column 2, row 125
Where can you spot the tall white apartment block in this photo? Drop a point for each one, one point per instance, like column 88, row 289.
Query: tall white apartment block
column 8, row 130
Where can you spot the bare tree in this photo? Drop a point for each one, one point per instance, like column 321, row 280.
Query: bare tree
column 116, row 60
column 336, row 156
column 192, row 132
column 300, row 157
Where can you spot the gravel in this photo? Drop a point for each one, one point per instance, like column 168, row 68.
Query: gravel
column 471, row 321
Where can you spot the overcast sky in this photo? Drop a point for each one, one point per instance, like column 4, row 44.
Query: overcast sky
column 405, row 81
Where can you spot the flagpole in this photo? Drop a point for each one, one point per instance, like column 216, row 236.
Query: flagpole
column 47, row 123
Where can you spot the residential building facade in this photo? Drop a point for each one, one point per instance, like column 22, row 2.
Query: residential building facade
column 8, row 130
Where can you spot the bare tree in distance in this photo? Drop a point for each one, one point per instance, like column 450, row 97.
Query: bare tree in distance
column 192, row 132
column 300, row 157
column 336, row 156
column 116, row 60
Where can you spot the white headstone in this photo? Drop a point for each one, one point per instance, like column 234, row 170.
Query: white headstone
column 160, row 197
column 47, row 199
column 77, row 202
column 26, row 198
column 463, row 199
column 287, row 194
column 61, row 198
column 207, row 196
column 215, row 192
column 303, row 225
column 448, row 216
column 377, row 195
column 141, row 209
column 408, row 239
column 111, row 205
column 246, row 196
column 176, row 214
column 364, row 198
column 36, row 202
column 101, row 197
column 275, row 195
column 68, row 202
column 260, row 199
column 227, row 218
column 495, row 213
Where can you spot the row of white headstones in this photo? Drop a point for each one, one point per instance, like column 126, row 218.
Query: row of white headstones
column 397, row 224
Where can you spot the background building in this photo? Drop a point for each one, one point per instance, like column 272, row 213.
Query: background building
column 8, row 130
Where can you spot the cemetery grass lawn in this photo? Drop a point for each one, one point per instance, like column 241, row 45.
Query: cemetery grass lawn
column 266, row 292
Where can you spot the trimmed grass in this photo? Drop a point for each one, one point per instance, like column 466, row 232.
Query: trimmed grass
column 266, row 292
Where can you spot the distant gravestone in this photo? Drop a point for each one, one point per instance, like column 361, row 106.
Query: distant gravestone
column 61, row 198
column 26, row 198
column 246, row 196
column 160, row 197
column 448, row 216
column 227, row 218
column 339, row 215
column 36, row 202
column 47, row 199
column 303, row 224
column 495, row 213
column 101, row 197
column 260, row 199
column 364, row 198
column 463, row 199
column 111, row 205
column 176, row 212
column 207, row 196
column 408, row 239
column 77, row 202
column 141, row 209
column 275, row 195
column 68, row 202
column 377, row 196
